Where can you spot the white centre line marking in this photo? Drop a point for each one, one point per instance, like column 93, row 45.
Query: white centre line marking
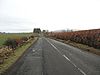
column 33, row 50
column 81, row 71
column 67, row 58
column 42, row 73
column 54, row 47
column 74, row 65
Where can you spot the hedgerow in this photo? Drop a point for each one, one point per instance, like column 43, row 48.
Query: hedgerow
column 87, row 37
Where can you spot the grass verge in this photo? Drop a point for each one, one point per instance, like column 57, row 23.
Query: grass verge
column 14, row 57
column 81, row 46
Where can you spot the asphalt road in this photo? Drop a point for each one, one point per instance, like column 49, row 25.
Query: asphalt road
column 50, row 57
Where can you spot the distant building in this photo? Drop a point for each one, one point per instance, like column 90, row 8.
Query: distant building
column 44, row 31
column 37, row 30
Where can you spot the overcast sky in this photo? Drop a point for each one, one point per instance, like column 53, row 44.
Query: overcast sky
column 24, row 15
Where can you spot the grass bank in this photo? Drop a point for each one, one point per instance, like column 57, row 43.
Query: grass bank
column 5, row 36
column 81, row 46
column 14, row 57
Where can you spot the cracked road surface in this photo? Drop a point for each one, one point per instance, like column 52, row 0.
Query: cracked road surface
column 50, row 57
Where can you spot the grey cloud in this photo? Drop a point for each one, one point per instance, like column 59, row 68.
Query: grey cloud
column 8, row 24
column 14, row 21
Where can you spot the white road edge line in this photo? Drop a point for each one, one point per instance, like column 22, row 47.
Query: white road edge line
column 67, row 58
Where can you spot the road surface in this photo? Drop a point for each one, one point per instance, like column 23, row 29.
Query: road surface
column 50, row 57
